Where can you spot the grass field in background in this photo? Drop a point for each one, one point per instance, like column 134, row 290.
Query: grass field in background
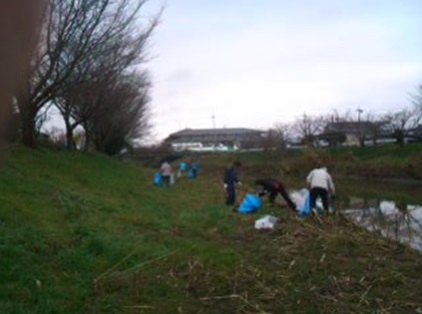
column 389, row 161
column 85, row 233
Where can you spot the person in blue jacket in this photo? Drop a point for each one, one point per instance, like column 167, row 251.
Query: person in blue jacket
column 231, row 179
column 194, row 169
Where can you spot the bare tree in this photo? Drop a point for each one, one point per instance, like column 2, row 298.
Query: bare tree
column 122, row 115
column 339, row 127
column 376, row 125
column 308, row 128
column 399, row 123
column 74, row 30
column 331, row 134
column 337, row 116
column 283, row 131
column 82, row 94
column 276, row 138
column 416, row 99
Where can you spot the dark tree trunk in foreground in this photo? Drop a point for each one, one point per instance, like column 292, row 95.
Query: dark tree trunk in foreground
column 28, row 129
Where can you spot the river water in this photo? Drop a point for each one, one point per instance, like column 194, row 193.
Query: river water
column 397, row 221
column 390, row 209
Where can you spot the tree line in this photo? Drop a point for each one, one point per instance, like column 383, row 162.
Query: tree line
column 333, row 128
column 89, row 64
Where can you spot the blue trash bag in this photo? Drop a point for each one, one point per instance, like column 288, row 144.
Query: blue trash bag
column 158, row 179
column 183, row 167
column 306, row 209
column 193, row 174
column 251, row 204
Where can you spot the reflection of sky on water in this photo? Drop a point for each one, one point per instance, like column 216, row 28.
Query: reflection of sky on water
column 393, row 220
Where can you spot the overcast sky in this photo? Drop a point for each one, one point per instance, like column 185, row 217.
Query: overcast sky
column 255, row 63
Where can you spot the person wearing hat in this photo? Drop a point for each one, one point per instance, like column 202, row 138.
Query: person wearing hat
column 321, row 185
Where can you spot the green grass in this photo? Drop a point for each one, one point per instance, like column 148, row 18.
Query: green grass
column 87, row 234
column 393, row 151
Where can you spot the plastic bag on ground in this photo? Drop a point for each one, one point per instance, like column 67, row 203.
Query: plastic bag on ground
column 158, row 179
column 302, row 200
column 183, row 167
column 172, row 179
column 299, row 197
column 266, row 222
column 306, row 210
column 251, row 204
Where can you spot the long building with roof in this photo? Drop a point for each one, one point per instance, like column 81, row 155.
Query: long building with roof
column 215, row 139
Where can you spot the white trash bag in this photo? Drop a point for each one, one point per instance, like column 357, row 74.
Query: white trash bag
column 266, row 222
column 299, row 198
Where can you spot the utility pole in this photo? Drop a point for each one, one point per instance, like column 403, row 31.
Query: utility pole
column 360, row 111
column 215, row 135
column 360, row 132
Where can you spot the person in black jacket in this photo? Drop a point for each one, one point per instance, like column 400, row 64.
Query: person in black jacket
column 231, row 179
column 273, row 188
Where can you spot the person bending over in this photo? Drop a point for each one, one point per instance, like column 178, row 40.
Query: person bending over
column 321, row 185
column 273, row 188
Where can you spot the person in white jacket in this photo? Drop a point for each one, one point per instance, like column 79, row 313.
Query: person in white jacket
column 166, row 174
column 321, row 185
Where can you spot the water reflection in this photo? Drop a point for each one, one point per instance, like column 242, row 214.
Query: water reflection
column 393, row 220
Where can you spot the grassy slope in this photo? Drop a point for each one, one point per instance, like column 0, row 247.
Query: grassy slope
column 86, row 234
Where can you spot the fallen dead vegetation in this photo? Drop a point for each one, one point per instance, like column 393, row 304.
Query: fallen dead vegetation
column 325, row 265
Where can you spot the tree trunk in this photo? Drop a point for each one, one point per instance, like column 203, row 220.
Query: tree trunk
column 69, row 135
column 88, row 137
column 28, row 114
column 99, row 142
column 28, row 129
column 70, row 145
column 399, row 135
column 375, row 141
column 401, row 141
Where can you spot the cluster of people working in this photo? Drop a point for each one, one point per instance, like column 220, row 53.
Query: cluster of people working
column 319, row 182
column 167, row 175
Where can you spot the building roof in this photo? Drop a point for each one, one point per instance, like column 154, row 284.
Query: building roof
column 350, row 127
column 225, row 131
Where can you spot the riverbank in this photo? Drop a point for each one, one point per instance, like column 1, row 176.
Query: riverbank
column 388, row 162
column 351, row 168
column 88, row 234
